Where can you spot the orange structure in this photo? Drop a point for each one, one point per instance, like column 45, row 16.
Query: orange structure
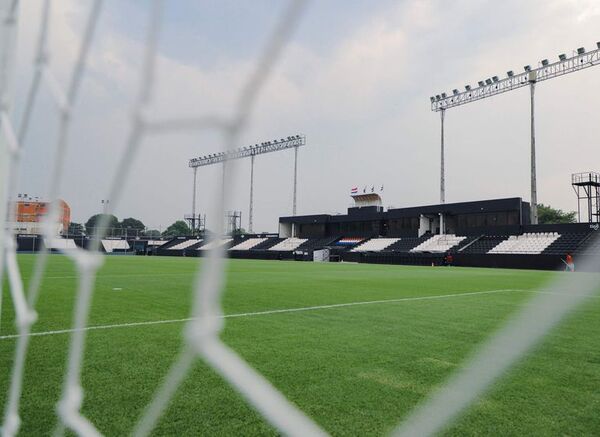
column 28, row 213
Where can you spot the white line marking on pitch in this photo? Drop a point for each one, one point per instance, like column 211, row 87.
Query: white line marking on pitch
column 261, row 313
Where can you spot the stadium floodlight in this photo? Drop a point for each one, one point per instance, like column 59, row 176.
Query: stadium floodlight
column 530, row 76
column 432, row 99
column 444, row 95
column 495, row 79
column 468, row 87
column 455, row 91
column 293, row 141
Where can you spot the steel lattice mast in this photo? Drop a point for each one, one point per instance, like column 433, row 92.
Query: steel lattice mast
column 581, row 59
column 250, row 152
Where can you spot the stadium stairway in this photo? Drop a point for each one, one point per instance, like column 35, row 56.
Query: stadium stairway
column 248, row 243
column 566, row 243
column 226, row 243
column 173, row 242
column 316, row 243
column 375, row 245
column 439, row 243
column 590, row 245
column 267, row 244
column 186, row 244
column 405, row 244
column 178, row 246
column 466, row 242
column 483, row 244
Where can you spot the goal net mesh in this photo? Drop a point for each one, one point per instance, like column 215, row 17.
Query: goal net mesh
column 202, row 333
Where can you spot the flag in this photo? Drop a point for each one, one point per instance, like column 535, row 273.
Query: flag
column 381, row 188
column 365, row 189
column 372, row 188
column 354, row 190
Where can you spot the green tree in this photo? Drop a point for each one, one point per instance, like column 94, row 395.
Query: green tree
column 177, row 229
column 131, row 226
column 76, row 229
column 112, row 223
column 152, row 233
column 549, row 215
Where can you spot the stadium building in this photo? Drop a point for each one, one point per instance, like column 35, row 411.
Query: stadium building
column 29, row 214
column 371, row 220
column 487, row 233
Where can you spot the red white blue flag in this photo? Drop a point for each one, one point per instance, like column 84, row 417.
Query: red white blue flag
column 354, row 190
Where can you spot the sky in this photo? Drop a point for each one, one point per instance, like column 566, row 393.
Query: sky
column 355, row 78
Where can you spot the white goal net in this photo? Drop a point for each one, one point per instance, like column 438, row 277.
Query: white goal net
column 202, row 333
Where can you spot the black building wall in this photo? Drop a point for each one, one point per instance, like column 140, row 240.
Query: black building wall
column 464, row 218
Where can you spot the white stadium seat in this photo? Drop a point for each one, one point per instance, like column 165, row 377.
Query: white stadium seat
column 527, row 243
column 111, row 245
column 248, row 244
column 184, row 244
column 60, row 244
column 439, row 243
column 288, row 244
column 215, row 243
column 156, row 242
column 375, row 245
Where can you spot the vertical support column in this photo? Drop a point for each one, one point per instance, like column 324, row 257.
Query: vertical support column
column 295, row 179
column 442, row 170
column 597, row 206
column 578, row 206
column 251, row 208
column 223, row 181
column 534, row 212
column 194, row 226
column 590, row 213
column 442, row 163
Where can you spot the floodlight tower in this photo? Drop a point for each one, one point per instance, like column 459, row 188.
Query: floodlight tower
column 294, row 141
column 579, row 60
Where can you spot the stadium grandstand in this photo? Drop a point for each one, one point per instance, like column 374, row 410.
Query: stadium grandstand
column 493, row 233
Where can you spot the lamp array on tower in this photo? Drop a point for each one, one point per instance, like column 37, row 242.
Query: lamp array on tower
column 545, row 70
column 243, row 152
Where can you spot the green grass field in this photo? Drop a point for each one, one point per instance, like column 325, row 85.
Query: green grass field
column 357, row 370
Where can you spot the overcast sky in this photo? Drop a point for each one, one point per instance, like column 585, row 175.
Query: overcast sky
column 355, row 79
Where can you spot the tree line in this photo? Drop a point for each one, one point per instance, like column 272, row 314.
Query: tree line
column 125, row 228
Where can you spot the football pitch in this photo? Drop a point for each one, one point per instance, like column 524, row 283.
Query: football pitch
column 355, row 346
